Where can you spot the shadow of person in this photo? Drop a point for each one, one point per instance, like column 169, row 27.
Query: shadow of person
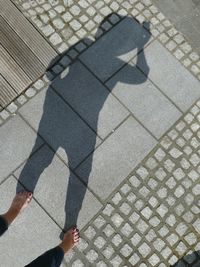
column 190, row 260
column 77, row 137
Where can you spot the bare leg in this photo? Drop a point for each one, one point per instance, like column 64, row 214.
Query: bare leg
column 54, row 256
column 19, row 203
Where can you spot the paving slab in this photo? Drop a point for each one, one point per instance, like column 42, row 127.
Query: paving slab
column 90, row 99
column 116, row 157
column 60, row 126
column 170, row 76
column 70, row 199
column 175, row 10
column 16, row 143
column 144, row 100
column 116, row 48
column 31, row 234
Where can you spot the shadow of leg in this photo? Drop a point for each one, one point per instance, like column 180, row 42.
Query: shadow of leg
column 33, row 168
column 75, row 195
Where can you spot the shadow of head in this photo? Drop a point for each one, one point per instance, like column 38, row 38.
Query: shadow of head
column 141, row 36
column 189, row 260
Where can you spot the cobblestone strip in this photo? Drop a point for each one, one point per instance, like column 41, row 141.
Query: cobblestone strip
column 152, row 219
column 66, row 22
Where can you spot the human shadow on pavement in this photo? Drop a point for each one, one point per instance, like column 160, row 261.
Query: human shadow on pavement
column 190, row 260
column 63, row 130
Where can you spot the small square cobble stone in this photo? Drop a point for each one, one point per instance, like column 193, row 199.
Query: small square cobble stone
column 134, row 259
column 126, row 230
column 92, row 255
column 108, row 230
column 117, row 240
column 126, row 250
column 30, row 92
column 108, row 210
column 117, row 219
column 108, row 251
column 116, row 261
column 125, row 208
column 12, row 108
column 55, row 39
column 99, row 242
column 117, row 198
column 90, row 232
column 21, row 99
column 134, row 181
column 144, row 250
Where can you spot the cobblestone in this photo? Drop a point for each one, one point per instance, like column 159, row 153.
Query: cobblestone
column 156, row 208
column 12, row 108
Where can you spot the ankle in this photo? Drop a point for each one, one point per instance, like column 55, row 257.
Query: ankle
column 63, row 247
column 10, row 215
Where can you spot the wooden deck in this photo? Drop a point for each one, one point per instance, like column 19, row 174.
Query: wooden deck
column 24, row 53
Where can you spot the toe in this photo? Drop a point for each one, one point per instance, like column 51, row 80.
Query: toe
column 29, row 195
column 76, row 241
column 76, row 233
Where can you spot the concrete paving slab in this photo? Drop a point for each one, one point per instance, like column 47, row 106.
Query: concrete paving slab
column 116, row 157
column 116, row 48
column 170, row 76
column 71, row 203
column 144, row 100
column 60, row 126
column 16, row 142
column 30, row 235
column 90, row 99
column 175, row 10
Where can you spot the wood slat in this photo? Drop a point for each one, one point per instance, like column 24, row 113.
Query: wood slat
column 12, row 72
column 7, row 93
column 20, row 52
column 33, row 39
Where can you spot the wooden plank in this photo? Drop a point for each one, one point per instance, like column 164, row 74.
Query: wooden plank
column 12, row 72
column 33, row 39
column 20, row 52
column 7, row 93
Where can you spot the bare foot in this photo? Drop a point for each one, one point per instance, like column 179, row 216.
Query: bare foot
column 19, row 203
column 70, row 240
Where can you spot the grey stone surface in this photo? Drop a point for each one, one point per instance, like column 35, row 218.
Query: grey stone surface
column 51, row 182
column 31, row 234
column 115, row 48
column 175, row 10
column 60, row 126
column 90, row 99
column 152, row 219
column 185, row 16
column 170, row 76
column 144, row 100
column 16, row 142
column 116, row 157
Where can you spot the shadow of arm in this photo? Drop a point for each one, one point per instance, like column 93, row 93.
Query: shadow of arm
column 142, row 63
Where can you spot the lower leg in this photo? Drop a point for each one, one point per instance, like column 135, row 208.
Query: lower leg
column 54, row 257
column 19, row 203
